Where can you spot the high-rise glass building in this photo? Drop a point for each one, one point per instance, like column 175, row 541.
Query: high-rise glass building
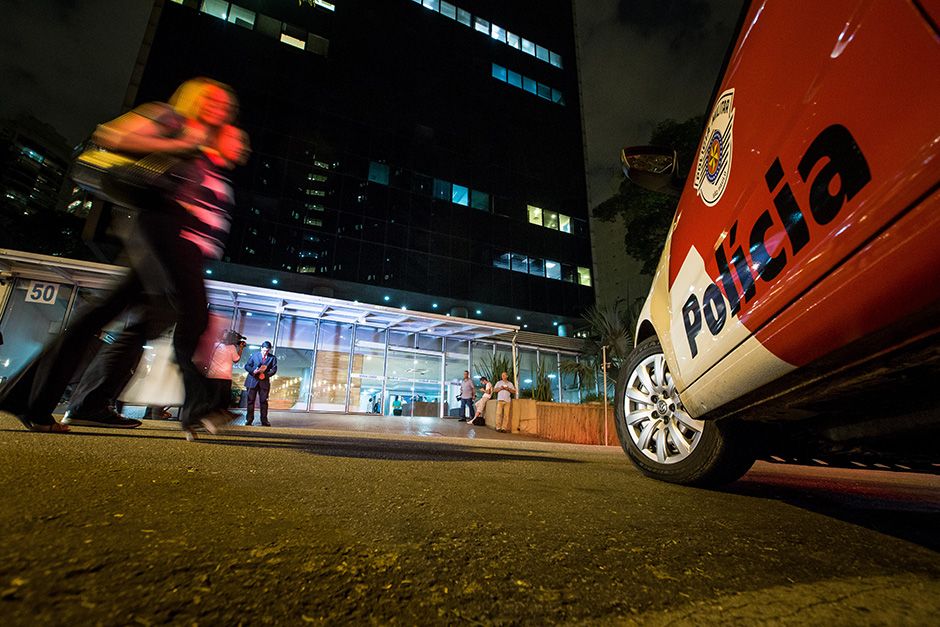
column 422, row 154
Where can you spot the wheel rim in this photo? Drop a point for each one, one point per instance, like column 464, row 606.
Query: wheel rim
column 655, row 418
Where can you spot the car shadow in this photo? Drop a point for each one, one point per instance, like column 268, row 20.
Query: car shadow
column 901, row 505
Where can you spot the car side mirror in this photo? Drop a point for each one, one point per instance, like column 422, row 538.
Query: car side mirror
column 652, row 167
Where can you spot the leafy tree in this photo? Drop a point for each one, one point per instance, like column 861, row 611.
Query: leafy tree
column 611, row 326
column 647, row 215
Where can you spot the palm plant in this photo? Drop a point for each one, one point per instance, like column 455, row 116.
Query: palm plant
column 542, row 390
column 609, row 325
column 494, row 366
column 584, row 370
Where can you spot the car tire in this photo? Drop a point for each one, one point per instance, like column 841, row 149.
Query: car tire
column 661, row 439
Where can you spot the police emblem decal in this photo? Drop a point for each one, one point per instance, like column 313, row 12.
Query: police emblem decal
column 714, row 159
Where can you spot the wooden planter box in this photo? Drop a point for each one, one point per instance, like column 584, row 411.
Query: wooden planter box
column 559, row 422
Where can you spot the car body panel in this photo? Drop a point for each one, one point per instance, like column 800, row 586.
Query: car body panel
column 797, row 231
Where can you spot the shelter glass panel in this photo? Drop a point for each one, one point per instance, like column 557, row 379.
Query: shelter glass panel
column 332, row 370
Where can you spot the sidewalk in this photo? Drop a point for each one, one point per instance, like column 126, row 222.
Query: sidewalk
column 370, row 423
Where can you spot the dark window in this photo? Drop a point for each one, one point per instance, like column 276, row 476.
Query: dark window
column 479, row 200
column 421, row 184
column 442, row 189
column 569, row 273
column 537, row 267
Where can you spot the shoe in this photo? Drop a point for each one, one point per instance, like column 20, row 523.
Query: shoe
column 42, row 424
column 104, row 418
column 463, row 420
column 265, row 424
column 190, row 435
column 214, row 422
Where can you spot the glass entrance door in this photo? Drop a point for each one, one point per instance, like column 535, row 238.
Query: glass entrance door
column 413, row 383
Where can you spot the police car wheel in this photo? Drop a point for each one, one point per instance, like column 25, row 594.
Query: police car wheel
column 661, row 438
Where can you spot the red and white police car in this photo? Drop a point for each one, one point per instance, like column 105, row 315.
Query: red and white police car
column 800, row 280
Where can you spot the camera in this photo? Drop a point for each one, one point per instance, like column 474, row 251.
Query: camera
column 234, row 338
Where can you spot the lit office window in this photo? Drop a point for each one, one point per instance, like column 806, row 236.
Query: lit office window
column 535, row 215
column 498, row 33
column 550, row 219
column 293, row 36
column 584, row 276
column 514, row 79
column 541, row 53
column 463, row 17
column 319, row 178
column 529, row 85
column 499, row 72
column 537, row 267
column 448, row 10
column 293, row 41
column 378, row 173
column 32, row 154
column 479, row 200
column 442, row 189
column 554, row 58
column 434, row 5
column 564, row 223
column 557, row 97
column 460, row 195
column 528, row 47
column 544, row 91
column 520, row 263
column 481, row 25
column 513, row 40
column 329, row 6
column 501, row 261
column 241, row 17
column 553, row 270
column 215, row 8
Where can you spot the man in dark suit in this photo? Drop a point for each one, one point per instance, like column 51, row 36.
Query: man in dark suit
column 261, row 367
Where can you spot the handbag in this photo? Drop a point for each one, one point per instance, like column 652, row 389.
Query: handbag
column 158, row 380
column 124, row 180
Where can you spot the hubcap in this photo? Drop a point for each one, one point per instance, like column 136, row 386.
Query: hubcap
column 656, row 420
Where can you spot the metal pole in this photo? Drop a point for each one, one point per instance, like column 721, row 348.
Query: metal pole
column 515, row 363
column 604, row 366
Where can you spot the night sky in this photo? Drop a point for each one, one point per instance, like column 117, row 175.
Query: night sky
column 68, row 62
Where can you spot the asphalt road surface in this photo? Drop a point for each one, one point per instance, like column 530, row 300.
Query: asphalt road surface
column 289, row 526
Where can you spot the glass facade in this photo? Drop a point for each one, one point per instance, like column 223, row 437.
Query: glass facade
column 34, row 315
column 416, row 192
column 322, row 365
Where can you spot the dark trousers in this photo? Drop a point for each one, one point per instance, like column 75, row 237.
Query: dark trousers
column 466, row 405
column 220, row 393
column 164, row 287
column 261, row 392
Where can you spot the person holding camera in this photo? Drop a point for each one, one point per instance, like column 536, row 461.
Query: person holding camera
column 227, row 351
column 261, row 367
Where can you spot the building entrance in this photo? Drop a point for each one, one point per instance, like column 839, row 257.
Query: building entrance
column 413, row 383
